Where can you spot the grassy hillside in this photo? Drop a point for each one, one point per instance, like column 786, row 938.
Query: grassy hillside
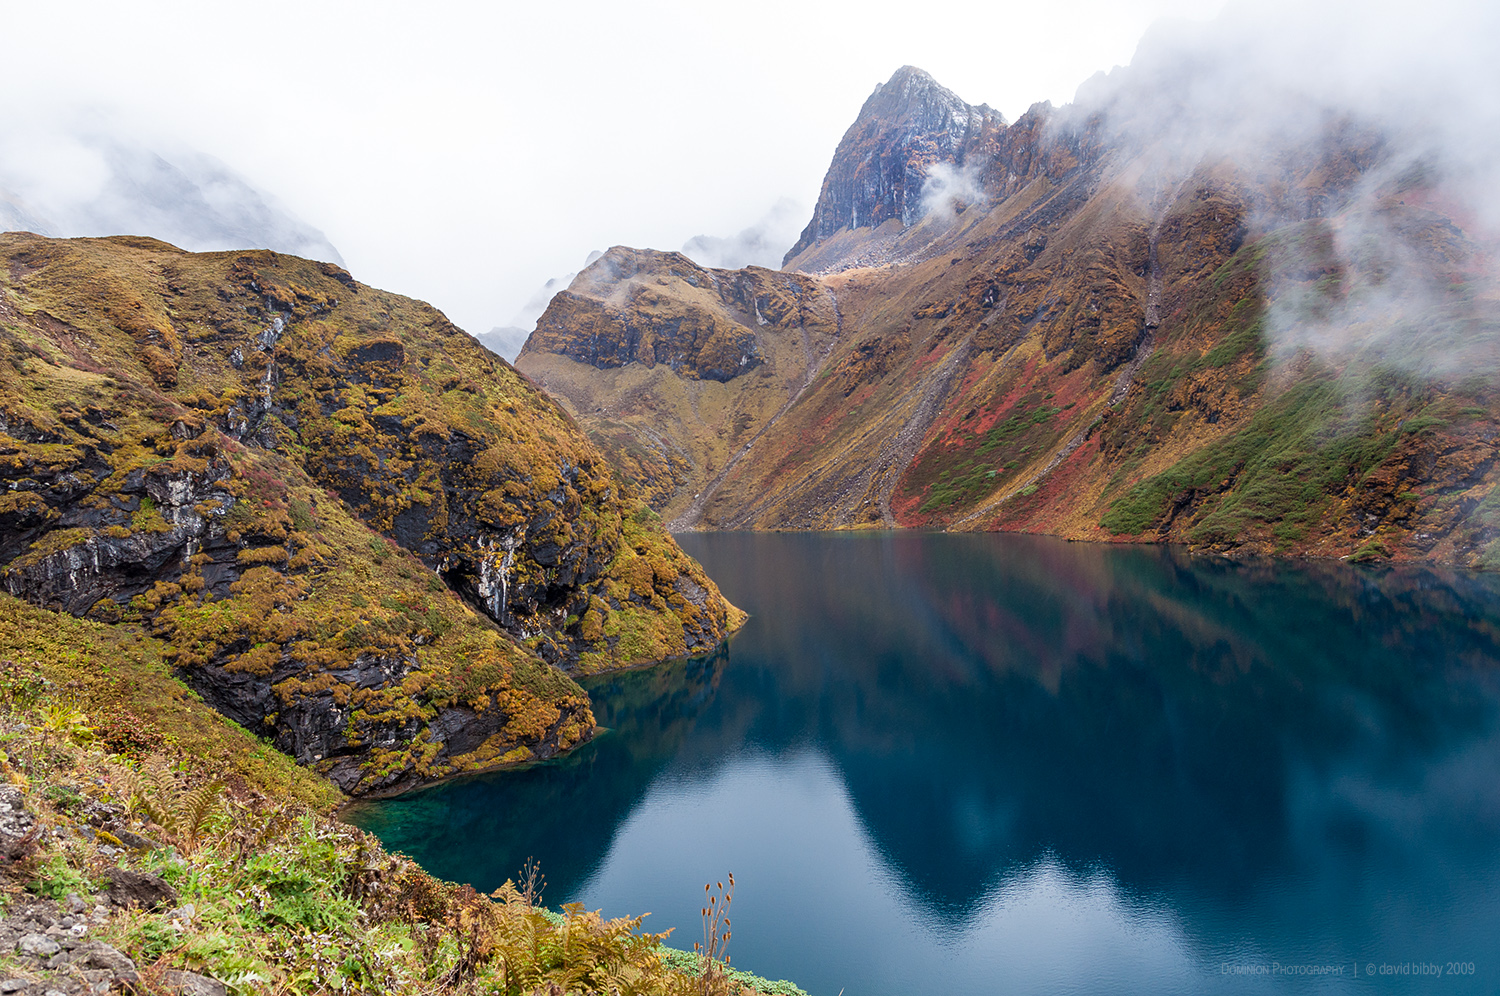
column 148, row 836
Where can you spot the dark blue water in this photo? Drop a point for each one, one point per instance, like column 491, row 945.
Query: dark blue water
column 984, row 764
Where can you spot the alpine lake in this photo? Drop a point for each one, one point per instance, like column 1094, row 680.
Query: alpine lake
column 1010, row 764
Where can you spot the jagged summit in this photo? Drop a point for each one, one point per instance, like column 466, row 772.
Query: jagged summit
column 913, row 93
column 908, row 125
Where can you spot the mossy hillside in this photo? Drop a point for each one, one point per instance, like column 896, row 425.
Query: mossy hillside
column 297, row 508
column 656, row 600
column 1332, row 454
column 1296, row 452
column 122, row 677
column 1358, row 454
column 291, row 607
column 1206, row 368
column 1364, row 459
column 268, row 893
column 271, row 599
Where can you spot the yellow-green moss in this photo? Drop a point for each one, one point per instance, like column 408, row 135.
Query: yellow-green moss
column 119, row 670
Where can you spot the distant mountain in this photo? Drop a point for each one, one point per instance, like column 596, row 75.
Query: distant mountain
column 762, row 244
column 504, row 340
column 89, row 181
column 1199, row 305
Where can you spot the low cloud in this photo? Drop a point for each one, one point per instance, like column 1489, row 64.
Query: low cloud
column 79, row 173
column 1371, row 140
column 525, row 319
column 1397, row 285
column 504, row 340
column 948, row 191
column 762, row 244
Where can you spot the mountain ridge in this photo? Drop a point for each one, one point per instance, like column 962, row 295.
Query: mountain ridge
column 1092, row 338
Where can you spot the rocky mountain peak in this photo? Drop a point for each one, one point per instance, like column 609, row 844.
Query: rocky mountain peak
column 913, row 97
column 908, row 125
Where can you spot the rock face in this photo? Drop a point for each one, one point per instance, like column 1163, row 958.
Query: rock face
column 366, row 536
column 680, row 365
column 649, row 307
column 909, row 126
column 1100, row 330
column 109, row 561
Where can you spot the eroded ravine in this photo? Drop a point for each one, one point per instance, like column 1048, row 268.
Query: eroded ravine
column 1145, row 346
column 815, row 362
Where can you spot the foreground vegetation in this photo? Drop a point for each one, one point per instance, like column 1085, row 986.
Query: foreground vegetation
column 121, row 766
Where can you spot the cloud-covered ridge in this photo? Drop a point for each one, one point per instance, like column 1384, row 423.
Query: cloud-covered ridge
column 80, row 174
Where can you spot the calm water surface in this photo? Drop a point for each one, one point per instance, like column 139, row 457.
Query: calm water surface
column 1000, row 764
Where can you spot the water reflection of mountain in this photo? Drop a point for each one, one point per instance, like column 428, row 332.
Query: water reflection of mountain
column 1185, row 722
column 481, row 829
column 1295, row 754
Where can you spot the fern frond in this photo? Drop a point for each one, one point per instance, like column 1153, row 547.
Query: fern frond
column 144, row 795
column 192, row 808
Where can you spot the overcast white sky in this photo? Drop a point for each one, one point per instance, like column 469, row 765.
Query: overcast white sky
column 465, row 152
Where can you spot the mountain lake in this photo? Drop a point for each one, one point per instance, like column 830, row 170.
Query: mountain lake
column 1009, row 764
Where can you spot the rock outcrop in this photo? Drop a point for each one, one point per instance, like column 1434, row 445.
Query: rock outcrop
column 885, row 166
column 678, row 365
column 649, row 307
column 367, row 537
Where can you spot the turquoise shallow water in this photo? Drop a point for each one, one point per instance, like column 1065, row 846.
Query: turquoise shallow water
column 1002, row 764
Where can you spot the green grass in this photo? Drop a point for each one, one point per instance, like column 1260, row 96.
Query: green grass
column 961, row 476
column 1010, row 431
column 1303, row 445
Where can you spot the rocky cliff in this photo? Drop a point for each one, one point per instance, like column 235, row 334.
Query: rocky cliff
column 363, row 535
column 679, row 366
column 1283, row 343
column 909, row 146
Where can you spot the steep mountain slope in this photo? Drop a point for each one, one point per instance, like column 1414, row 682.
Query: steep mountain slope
column 1089, row 327
column 362, row 534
